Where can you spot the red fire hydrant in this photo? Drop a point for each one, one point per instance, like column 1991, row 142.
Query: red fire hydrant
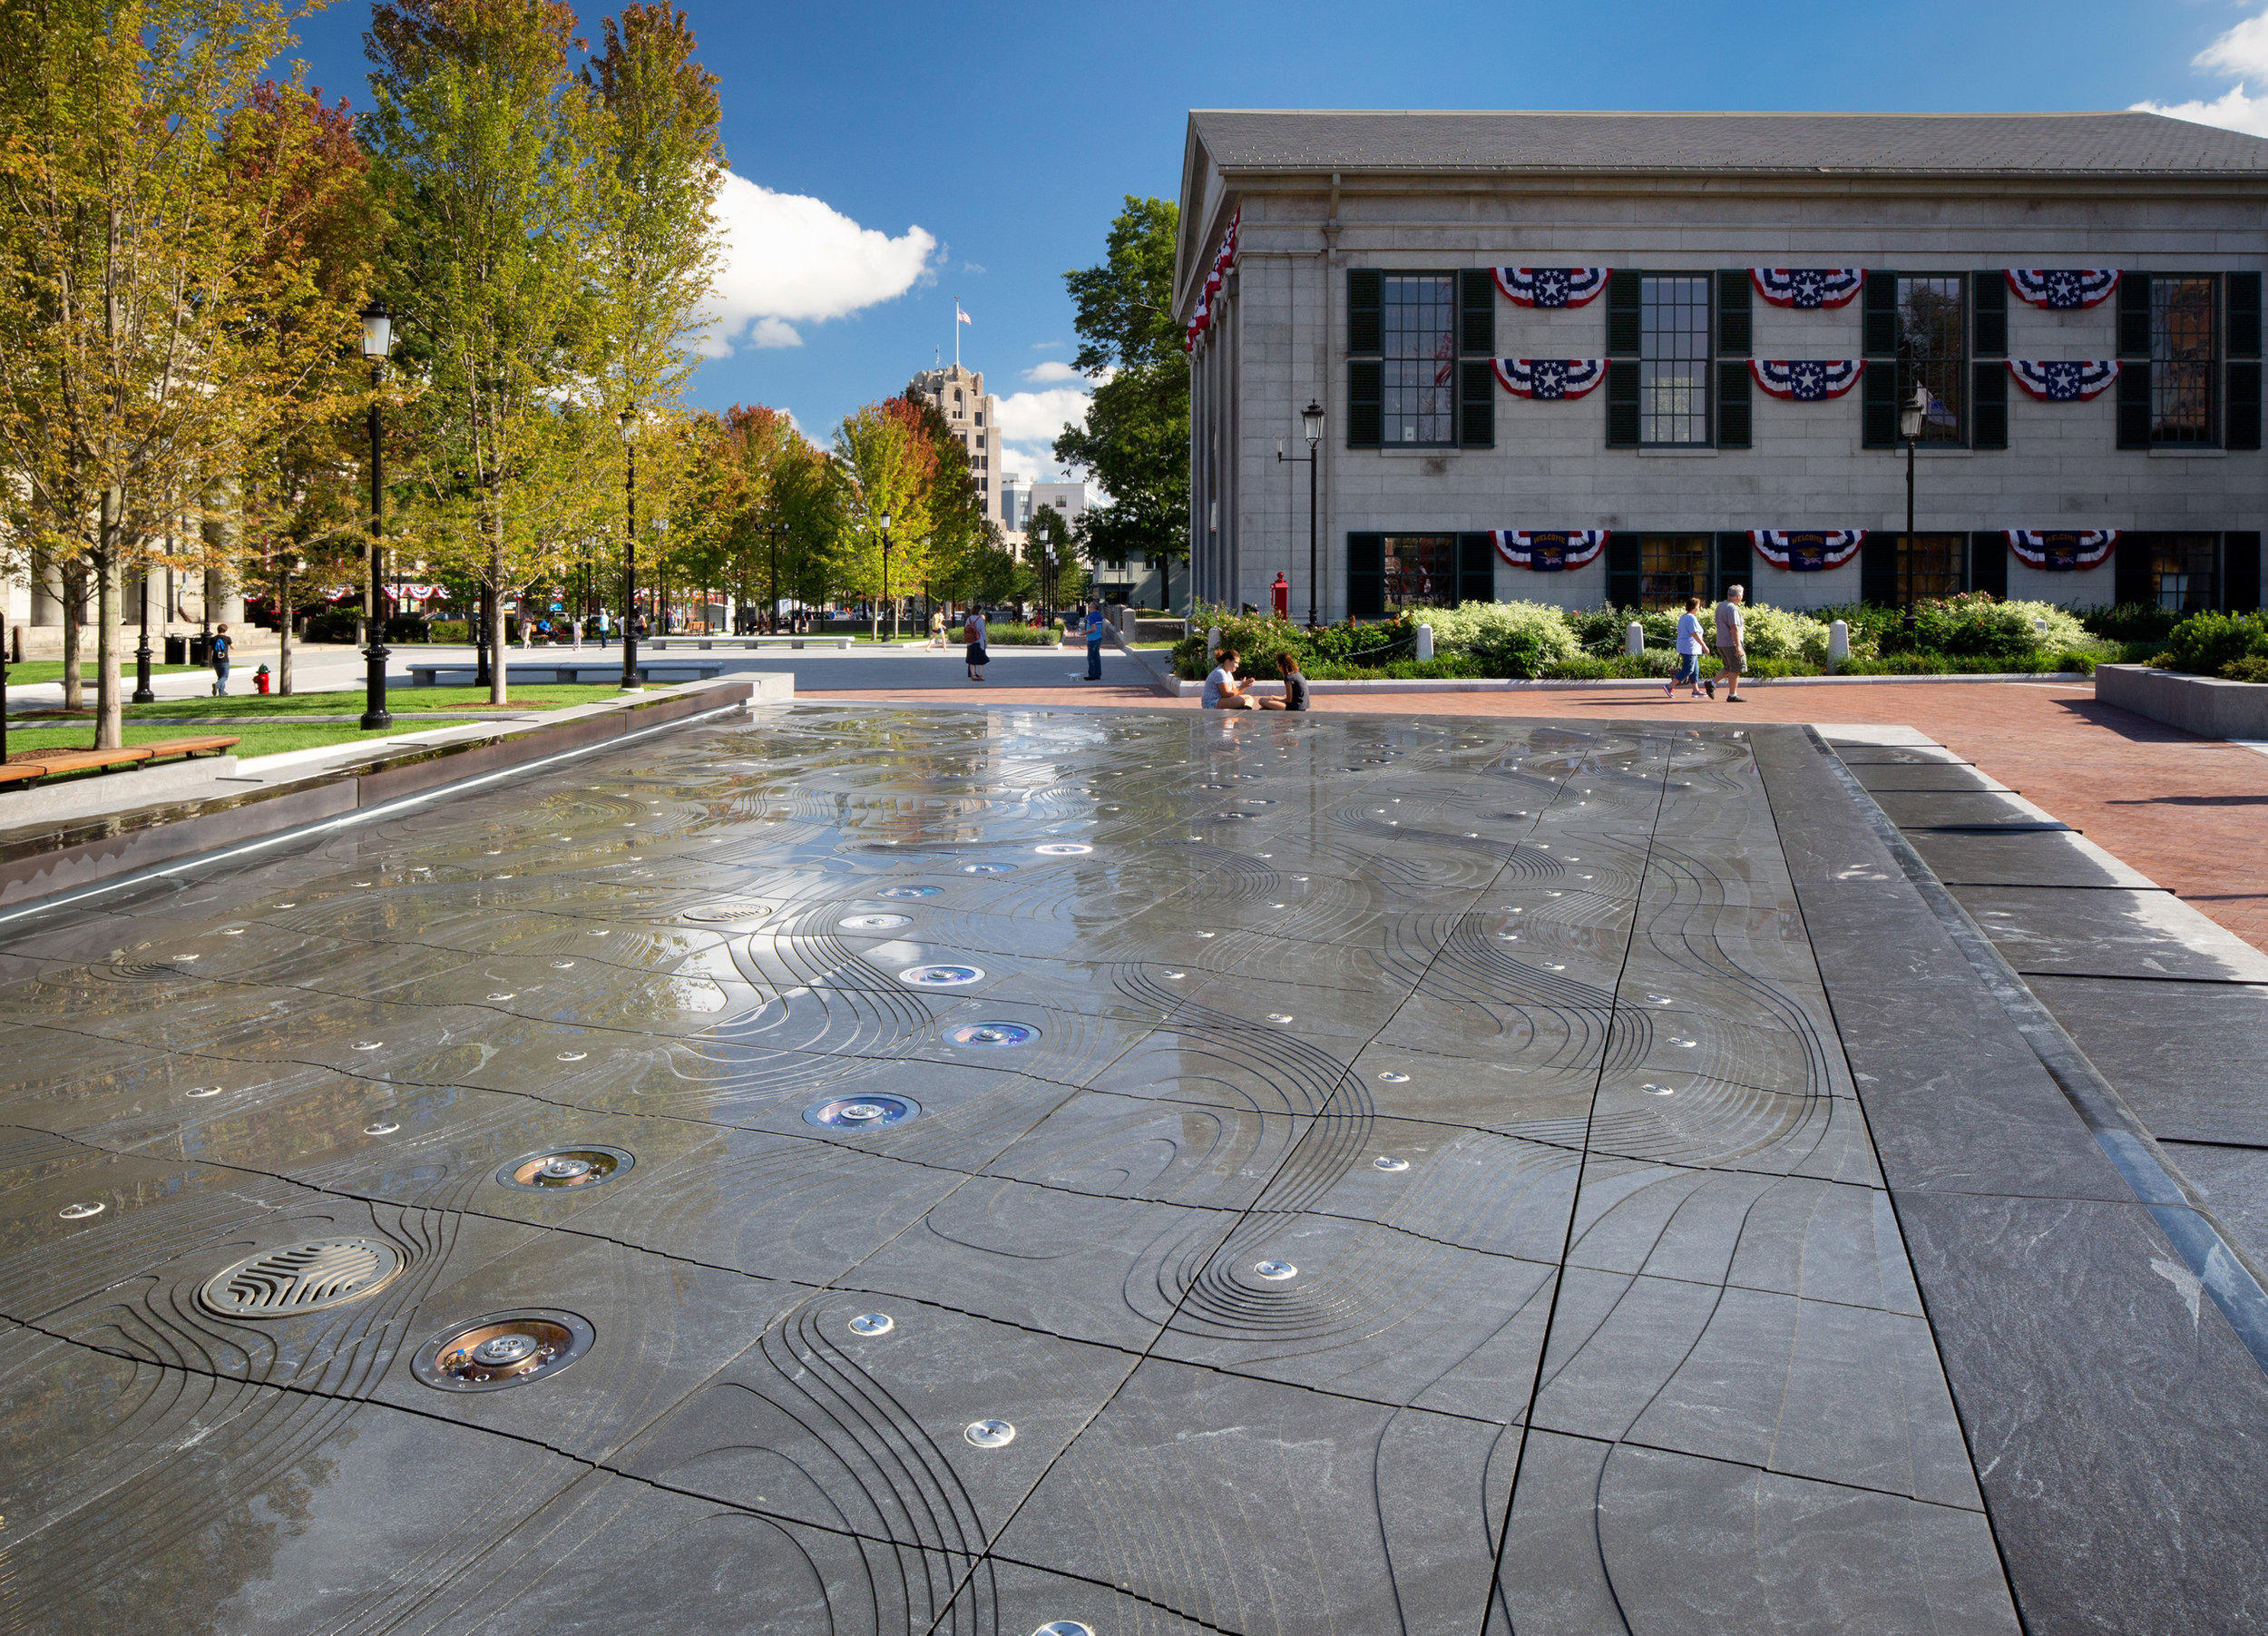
column 260, row 678
column 1282, row 592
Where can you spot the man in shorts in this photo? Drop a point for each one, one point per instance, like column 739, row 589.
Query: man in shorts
column 1731, row 643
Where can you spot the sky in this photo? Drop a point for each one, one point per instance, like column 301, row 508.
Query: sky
column 888, row 160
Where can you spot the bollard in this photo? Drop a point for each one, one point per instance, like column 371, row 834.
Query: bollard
column 1424, row 643
column 1838, row 645
column 1212, row 642
column 1634, row 638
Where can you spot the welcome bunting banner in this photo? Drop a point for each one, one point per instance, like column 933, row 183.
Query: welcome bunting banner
column 1552, row 286
column 1548, row 550
column 1551, row 378
column 1808, row 287
column 1807, row 380
column 1806, row 550
column 1223, row 260
column 2062, row 550
column 2057, row 380
column 2063, row 289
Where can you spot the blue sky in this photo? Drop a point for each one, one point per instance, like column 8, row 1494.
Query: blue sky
column 892, row 157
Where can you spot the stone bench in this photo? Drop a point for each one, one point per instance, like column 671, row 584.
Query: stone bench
column 529, row 670
column 747, row 643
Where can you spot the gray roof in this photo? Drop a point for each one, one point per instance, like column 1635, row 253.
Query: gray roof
column 2057, row 145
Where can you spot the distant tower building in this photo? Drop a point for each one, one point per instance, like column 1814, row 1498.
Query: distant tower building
column 1015, row 504
column 974, row 414
column 1070, row 500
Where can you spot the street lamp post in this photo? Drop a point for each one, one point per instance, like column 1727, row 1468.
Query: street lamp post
column 773, row 529
column 143, row 693
column 378, row 339
column 1910, row 419
column 885, row 584
column 292, row 564
column 628, row 421
column 1311, row 428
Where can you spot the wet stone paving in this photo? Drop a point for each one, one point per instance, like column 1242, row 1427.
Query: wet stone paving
column 870, row 1170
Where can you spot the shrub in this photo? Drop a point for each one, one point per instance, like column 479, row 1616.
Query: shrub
column 1781, row 633
column 450, row 630
column 1021, row 636
column 1977, row 624
column 1395, row 670
column 2204, row 643
column 2130, row 621
column 1581, row 667
column 1508, row 639
column 2250, row 667
column 1259, row 638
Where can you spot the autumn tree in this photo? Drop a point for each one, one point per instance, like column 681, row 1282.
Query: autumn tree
column 887, row 465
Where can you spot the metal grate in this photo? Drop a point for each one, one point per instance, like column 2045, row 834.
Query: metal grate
column 306, row 1278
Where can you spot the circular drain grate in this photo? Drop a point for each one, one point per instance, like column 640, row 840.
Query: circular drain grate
column 872, row 1323
column 990, row 1434
column 873, row 923
column 562, row 1168
column 306, row 1278
column 1062, row 849
column 862, row 1113
column 1064, row 1627
column 721, row 914
column 942, row 976
column 503, row 1350
column 992, row 1036
column 909, row 891
column 988, row 868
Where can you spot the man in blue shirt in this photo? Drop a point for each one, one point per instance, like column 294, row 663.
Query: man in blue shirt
column 1095, row 628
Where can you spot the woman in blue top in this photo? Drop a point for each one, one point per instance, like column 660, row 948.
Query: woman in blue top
column 1688, row 649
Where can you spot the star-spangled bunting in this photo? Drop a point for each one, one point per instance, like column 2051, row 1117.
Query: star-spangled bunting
column 1551, row 378
column 2063, row 289
column 1548, row 550
column 1223, row 260
column 1806, row 550
column 2062, row 550
column 1808, row 287
column 1807, row 380
column 2060, row 380
column 1551, row 286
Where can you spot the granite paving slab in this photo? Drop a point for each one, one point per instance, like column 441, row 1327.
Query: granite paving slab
column 2149, row 935
column 2193, row 1061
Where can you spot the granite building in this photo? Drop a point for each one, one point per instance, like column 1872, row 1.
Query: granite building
column 972, row 415
column 1580, row 358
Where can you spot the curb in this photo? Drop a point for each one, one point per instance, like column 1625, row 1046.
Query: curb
column 1491, row 684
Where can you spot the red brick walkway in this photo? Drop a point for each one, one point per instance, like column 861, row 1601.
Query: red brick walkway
column 2191, row 813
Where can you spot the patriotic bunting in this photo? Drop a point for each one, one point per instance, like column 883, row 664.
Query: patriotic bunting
column 2056, row 380
column 1806, row 550
column 1223, row 260
column 1807, row 380
column 422, row 593
column 1808, row 287
column 2063, row 289
column 2062, row 550
column 1548, row 550
column 1551, row 286
column 1551, row 378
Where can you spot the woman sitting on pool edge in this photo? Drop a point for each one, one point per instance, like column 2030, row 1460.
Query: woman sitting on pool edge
column 1294, row 685
column 1223, row 691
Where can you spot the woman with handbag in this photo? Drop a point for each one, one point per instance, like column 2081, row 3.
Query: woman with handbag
column 973, row 634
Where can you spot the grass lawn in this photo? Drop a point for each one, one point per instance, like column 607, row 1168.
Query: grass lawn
column 261, row 739
column 33, row 671
column 402, row 700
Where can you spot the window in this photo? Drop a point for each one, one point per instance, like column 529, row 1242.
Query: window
column 1931, row 335
column 1929, row 565
column 2182, row 347
column 1421, row 570
column 980, row 436
column 1674, row 360
column 2181, row 571
column 1420, row 315
column 979, row 418
column 1672, row 567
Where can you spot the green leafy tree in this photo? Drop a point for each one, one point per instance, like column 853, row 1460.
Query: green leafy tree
column 887, row 468
column 1136, row 439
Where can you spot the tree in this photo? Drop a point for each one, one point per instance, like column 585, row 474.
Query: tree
column 887, row 466
column 958, row 527
column 1136, row 440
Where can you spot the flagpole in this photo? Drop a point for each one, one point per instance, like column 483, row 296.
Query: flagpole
column 956, row 332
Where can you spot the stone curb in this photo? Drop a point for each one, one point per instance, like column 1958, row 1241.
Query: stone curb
column 2204, row 705
column 1491, row 684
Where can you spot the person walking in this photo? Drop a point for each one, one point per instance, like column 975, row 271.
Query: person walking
column 1688, row 651
column 218, row 654
column 1094, row 643
column 1294, row 685
column 973, row 634
column 1731, row 643
column 937, row 629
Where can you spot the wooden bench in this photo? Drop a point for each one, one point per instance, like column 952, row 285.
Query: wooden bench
column 103, row 760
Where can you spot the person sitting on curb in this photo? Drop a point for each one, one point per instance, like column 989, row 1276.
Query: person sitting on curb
column 1223, row 691
column 1294, row 685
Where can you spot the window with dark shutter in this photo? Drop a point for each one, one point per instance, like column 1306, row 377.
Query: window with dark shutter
column 1988, row 401
column 1735, row 329
column 1366, row 403
column 1626, row 567
column 1878, row 424
column 1476, row 568
column 1877, row 568
column 1476, row 312
column 1367, row 576
column 1989, row 562
column 1733, row 407
column 2134, row 400
column 1365, row 308
column 1622, row 403
column 2240, row 570
column 2133, row 315
column 2239, row 427
column 1880, row 332
column 1625, row 305
column 2244, row 314
column 1735, row 561
column 1476, row 406
column 1991, row 288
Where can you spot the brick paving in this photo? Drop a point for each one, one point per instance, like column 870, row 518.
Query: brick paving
column 2191, row 813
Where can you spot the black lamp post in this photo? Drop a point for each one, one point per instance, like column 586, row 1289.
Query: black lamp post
column 1910, row 420
column 290, row 563
column 885, row 584
column 773, row 528
column 144, row 693
column 378, row 339
column 1311, row 428
column 629, row 423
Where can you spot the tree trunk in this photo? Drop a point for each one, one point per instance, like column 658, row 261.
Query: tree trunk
column 109, row 720
column 497, row 691
column 1165, row 583
column 72, row 574
column 283, row 641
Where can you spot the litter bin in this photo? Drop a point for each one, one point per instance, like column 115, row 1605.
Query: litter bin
column 198, row 650
column 177, row 650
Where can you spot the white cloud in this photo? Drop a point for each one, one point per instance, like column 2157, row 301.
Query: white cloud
column 1039, row 416
column 1053, row 369
column 789, row 258
column 2243, row 50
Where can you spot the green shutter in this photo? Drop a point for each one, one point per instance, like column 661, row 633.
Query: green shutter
column 2241, row 419
column 1989, row 562
column 1736, row 327
column 1732, row 412
column 1626, row 565
column 1878, row 570
column 1735, row 561
column 2244, row 314
column 1476, row 568
column 1991, row 286
column 2134, row 400
column 1366, row 403
column 1476, row 315
column 2133, row 315
column 1365, row 311
column 1476, row 404
column 1880, row 338
column 2134, row 568
column 1622, row 403
column 1367, row 576
column 1878, row 418
column 1626, row 304
column 2240, row 573
column 1989, row 400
